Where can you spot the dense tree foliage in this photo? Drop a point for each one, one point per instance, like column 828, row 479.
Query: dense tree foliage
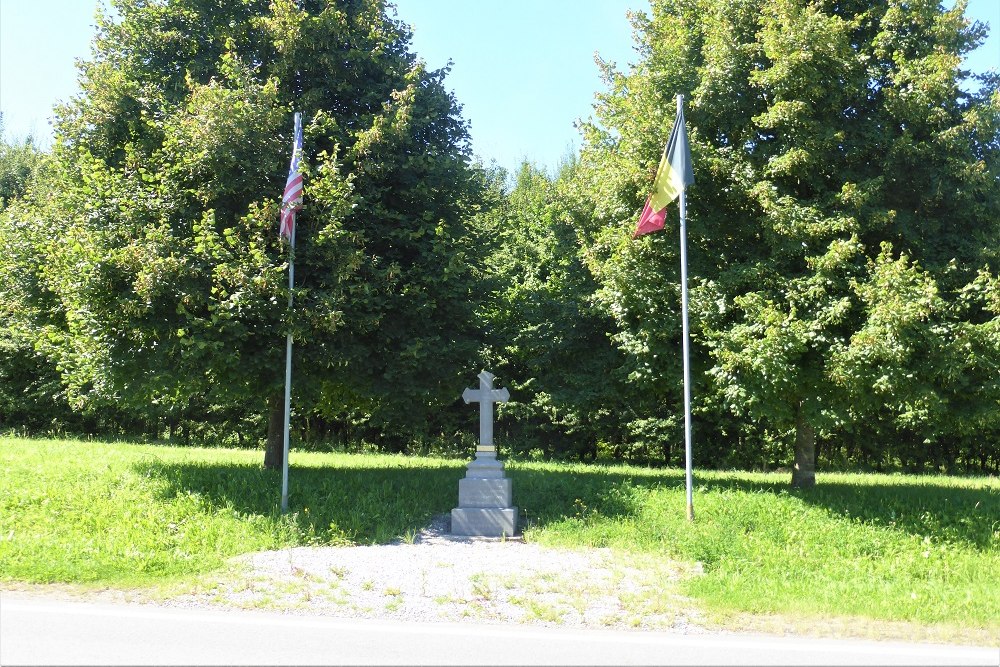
column 30, row 391
column 844, row 241
column 547, row 339
column 19, row 159
column 843, row 226
column 161, row 287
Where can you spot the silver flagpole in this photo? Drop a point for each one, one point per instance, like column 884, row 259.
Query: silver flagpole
column 686, row 344
column 288, row 356
column 288, row 376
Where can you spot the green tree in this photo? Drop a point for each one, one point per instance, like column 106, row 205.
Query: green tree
column 162, row 279
column 831, row 140
column 545, row 335
column 26, row 381
column 923, row 372
column 19, row 159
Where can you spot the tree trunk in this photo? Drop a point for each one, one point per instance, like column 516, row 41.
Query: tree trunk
column 804, row 471
column 274, row 452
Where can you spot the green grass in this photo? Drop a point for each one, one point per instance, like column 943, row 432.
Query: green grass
column 895, row 548
column 128, row 514
column 923, row 550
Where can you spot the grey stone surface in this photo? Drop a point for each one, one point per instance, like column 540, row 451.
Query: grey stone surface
column 484, row 467
column 479, row 492
column 485, row 496
column 485, row 521
column 486, row 396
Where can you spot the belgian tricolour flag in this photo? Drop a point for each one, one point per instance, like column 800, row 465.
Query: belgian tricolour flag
column 672, row 176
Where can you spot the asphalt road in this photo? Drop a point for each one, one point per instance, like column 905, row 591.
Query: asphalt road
column 48, row 632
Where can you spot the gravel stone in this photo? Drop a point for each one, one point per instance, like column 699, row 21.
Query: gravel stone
column 439, row 577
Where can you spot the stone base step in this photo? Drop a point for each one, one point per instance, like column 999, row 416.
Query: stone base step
column 484, row 521
column 478, row 492
column 484, row 467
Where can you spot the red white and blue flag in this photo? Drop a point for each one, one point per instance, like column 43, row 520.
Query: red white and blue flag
column 291, row 202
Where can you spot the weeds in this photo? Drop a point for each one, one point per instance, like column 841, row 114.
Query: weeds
column 481, row 587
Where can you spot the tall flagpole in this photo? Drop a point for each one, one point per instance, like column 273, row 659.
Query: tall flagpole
column 288, row 340
column 686, row 345
column 288, row 376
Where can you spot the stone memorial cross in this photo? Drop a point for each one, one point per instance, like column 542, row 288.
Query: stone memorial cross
column 485, row 496
column 486, row 396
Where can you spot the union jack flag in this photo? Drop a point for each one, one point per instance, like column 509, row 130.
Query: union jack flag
column 291, row 202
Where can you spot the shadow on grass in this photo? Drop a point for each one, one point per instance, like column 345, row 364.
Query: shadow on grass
column 331, row 505
column 378, row 504
column 956, row 514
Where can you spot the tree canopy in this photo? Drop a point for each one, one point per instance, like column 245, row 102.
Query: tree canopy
column 844, row 223
column 844, row 239
column 162, row 276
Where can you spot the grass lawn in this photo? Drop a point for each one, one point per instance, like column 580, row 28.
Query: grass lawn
column 923, row 550
column 885, row 547
column 130, row 514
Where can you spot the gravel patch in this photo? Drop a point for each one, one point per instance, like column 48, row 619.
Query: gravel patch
column 439, row 577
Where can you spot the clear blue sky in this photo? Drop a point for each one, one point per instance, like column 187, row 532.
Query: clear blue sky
column 523, row 69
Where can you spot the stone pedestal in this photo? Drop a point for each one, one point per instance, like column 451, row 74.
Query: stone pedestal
column 485, row 500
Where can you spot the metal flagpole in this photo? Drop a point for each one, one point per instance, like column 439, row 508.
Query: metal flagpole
column 288, row 347
column 288, row 376
column 686, row 345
